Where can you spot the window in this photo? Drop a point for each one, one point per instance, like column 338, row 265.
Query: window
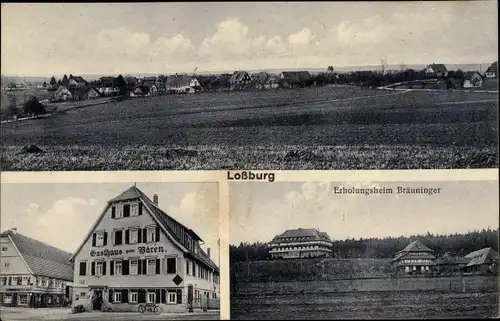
column 7, row 298
column 26, row 280
column 133, row 297
column 119, row 237
column 171, row 265
column 134, row 209
column 126, row 210
column 151, row 234
column 3, row 280
column 119, row 212
column 83, row 268
column 118, row 267
column 133, row 236
column 151, row 266
column 82, row 294
column 19, row 281
column 118, row 296
column 6, row 265
column 44, row 282
column 172, row 297
column 133, row 267
column 187, row 266
column 23, row 299
column 4, row 249
column 99, row 267
column 99, row 238
column 151, row 298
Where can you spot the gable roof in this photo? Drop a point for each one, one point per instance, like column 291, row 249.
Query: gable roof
column 166, row 221
column 470, row 74
column 60, row 90
column 179, row 81
column 438, row 67
column 301, row 232
column 481, row 256
column 493, row 67
column 42, row 259
column 416, row 246
column 296, row 75
column 239, row 75
column 265, row 77
column 78, row 79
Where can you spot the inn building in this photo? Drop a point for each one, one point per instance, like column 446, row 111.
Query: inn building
column 299, row 243
column 33, row 274
column 135, row 253
column 415, row 258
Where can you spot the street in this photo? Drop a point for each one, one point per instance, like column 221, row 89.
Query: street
column 8, row 313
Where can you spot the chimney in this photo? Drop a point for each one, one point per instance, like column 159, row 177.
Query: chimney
column 14, row 230
column 208, row 252
column 155, row 199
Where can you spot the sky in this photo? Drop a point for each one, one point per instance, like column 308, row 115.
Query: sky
column 259, row 211
column 100, row 38
column 63, row 216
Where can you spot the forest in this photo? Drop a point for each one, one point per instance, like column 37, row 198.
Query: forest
column 379, row 248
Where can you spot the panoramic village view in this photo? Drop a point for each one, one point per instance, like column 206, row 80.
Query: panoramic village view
column 136, row 261
column 379, row 90
column 343, row 261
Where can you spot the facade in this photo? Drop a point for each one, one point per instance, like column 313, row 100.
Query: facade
column 300, row 243
column 472, row 79
column 239, row 80
column 32, row 273
column 182, row 84
column 436, row 70
column 482, row 261
column 491, row 72
column 415, row 258
column 137, row 254
column 290, row 79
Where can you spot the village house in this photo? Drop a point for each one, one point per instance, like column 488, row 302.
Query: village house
column 240, row 80
column 61, row 94
column 33, row 274
column 76, row 82
column 265, row 80
column 482, row 261
column 491, row 72
column 140, row 90
column 415, row 258
column 291, row 79
column 107, row 86
column 436, row 70
column 182, row 84
column 135, row 253
column 450, row 264
column 472, row 79
column 86, row 93
column 301, row 243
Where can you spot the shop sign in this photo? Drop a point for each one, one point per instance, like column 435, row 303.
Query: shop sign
column 118, row 252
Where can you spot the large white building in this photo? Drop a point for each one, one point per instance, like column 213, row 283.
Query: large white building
column 136, row 254
column 301, row 243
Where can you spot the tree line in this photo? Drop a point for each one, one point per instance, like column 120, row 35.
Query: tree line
column 383, row 248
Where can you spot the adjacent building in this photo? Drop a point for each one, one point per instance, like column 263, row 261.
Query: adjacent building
column 32, row 273
column 265, row 80
column 301, row 243
column 290, row 79
column 482, row 261
column 182, row 84
column 135, row 253
column 436, row 70
column 472, row 79
column 491, row 72
column 450, row 264
column 76, row 82
column 240, row 80
column 415, row 258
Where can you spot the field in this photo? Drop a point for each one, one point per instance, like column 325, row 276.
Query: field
column 311, row 128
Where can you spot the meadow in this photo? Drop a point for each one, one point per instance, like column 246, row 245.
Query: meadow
column 309, row 128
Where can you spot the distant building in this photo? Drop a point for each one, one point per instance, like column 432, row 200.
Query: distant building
column 491, row 72
column 182, row 84
column 290, row 79
column 265, row 80
column 415, row 258
column 436, row 70
column 482, row 261
column 240, row 80
column 62, row 94
column 33, row 274
column 86, row 93
column 450, row 264
column 472, row 79
column 301, row 243
column 76, row 82
column 107, row 86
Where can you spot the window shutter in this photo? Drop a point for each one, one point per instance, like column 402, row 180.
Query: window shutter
column 126, row 210
column 140, row 208
column 158, row 294
column 144, row 267
column 105, row 238
column 125, row 267
column 93, row 239
column 111, row 267
column 110, row 296
column 92, row 268
column 141, row 296
column 127, row 236
column 125, row 296
column 139, row 236
column 145, row 235
column 104, row 268
column 113, row 211
column 139, row 267
column 179, row 296
column 157, row 234
column 83, row 268
column 163, row 297
column 157, row 266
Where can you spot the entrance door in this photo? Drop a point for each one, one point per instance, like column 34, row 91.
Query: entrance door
column 97, row 300
column 190, row 298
